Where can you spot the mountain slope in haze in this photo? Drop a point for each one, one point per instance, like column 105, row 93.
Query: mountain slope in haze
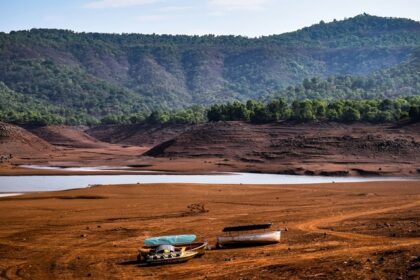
column 398, row 81
column 99, row 74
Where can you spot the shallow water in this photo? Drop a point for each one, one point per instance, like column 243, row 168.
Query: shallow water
column 38, row 183
column 9, row 194
column 87, row 168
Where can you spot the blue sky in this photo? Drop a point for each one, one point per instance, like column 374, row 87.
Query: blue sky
column 239, row 17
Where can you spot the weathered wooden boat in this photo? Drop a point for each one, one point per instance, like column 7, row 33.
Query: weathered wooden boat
column 236, row 236
column 178, row 242
column 169, row 254
column 199, row 247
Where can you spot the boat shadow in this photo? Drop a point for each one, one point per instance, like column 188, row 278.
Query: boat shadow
column 134, row 263
column 139, row 264
column 130, row 262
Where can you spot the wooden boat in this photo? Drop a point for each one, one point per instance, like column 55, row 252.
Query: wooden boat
column 248, row 227
column 250, row 238
column 168, row 254
column 198, row 247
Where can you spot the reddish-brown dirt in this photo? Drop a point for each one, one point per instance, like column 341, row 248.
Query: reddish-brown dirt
column 304, row 149
column 67, row 136
column 58, row 146
column 17, row 141
column 324, row 148
column 146, row 135
column 332, row 231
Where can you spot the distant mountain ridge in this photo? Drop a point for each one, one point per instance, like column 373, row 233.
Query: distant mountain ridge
column 96, row 74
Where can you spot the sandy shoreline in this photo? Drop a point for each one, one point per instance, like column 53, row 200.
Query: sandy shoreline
column 341, row 230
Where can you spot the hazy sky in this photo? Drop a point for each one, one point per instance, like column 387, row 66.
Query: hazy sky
column 238, row 17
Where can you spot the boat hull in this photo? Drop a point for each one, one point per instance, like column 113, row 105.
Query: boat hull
column 249, row 239
column 198, row 247
column 161, row 259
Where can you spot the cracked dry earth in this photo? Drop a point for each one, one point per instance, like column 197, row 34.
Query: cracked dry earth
column 334, row 231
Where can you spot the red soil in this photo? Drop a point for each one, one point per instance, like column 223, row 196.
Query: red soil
column 325, row 149
column 67, row 136
column 335, row 231
column 137, row 135
column 96, row 232
column 20, row 142
column 311, row 149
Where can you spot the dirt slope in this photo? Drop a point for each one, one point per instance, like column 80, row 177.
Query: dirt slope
column 297, row 145
column 311, row 149
column 67, row 136
column 21, row 143
column 223, row 139
column 137, row 135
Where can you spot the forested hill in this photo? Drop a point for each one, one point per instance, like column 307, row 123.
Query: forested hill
column 397, row 81
column 96, row 74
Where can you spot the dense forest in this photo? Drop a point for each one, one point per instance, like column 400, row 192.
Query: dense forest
column 58, row 76
column 368, row 110
column 337, row 98
column 373, row 110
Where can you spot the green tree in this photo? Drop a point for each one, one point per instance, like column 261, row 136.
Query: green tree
column 350, row 114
